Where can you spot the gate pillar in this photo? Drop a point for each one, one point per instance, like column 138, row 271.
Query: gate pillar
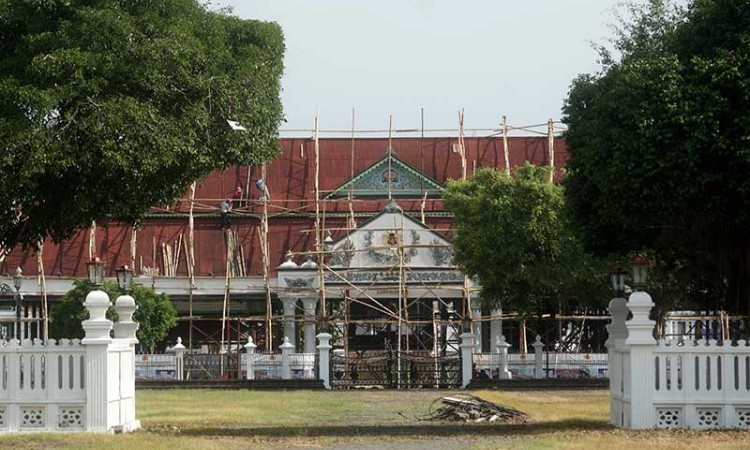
column 467, row 350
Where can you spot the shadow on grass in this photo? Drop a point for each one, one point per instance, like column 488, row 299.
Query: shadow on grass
column 412, row 429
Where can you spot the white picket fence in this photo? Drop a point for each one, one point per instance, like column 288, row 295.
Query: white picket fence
column 73, row 385
column 673, row 383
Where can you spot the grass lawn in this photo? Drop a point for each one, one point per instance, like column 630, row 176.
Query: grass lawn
column 197, row 419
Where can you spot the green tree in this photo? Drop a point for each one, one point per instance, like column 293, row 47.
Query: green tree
column 514, row 235
column 660, row 148
column 155, row 314
column 108, row 107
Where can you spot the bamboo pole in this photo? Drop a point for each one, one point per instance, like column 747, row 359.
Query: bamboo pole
column 266, row 263
column 505, row 146
column 551, row 148
column 461, row 147
column 92, row 240
column 190, row 253
column 318, row 229
column 133, row 246
column 43, row 285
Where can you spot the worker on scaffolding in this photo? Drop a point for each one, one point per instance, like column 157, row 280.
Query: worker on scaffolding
column 237, row 198
column 224, row 208
column 264, row 194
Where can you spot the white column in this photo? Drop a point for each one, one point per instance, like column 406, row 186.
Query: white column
column 616, row 335
column 179, row 360
column 467, row 350
column 309, row 304
column 502, row 350
column 641, row 342
column 324, row 361
column 290, row 326
column 538, row 357
column 125, row 330
column 97, row 341
column 286, row 355
column 496, row 324
column 476, row 327
column 249, row 369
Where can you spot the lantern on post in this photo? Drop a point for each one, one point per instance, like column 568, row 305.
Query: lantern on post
column 124, row 278
column 639, row 271
column 618, row 275
column 95, row 269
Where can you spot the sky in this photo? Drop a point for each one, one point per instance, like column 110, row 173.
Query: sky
column 386, row 58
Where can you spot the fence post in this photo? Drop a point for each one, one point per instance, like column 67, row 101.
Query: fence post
column 249, row 370
column 616, row 335
column 641, row 342
column 125, row 331
column 502, row 348
column 538, row 357
column 96, row 340
column 286, row 356
column 324, row 361
column 467, row 348
column 179, row 360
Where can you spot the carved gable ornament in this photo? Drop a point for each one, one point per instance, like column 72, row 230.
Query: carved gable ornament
column 404, row 180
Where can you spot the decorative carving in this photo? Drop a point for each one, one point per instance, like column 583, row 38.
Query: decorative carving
column 668, row 417
column 448, row 276
column 379, row 256
column 343, row 256
column 32, row 418
column 708, row 417
column 743, row 418
column 70, row 418
column 5, row 289
column 299, row 282
column 441, row 255
column 374, row 181
column 392, row 239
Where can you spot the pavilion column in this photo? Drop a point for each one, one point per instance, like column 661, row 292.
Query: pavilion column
column 290, row 326
column 309, row 304
column 476, row 326
column 496, row 325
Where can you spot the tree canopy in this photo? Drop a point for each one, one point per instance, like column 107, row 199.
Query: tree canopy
column 155, row 314
column 108, row 107
column 513, row 234
column 660, row 146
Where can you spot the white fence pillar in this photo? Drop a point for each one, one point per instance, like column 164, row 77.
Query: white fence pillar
column 309, row 304
column 98, row 377
column 617, row 333
column 502, row 349
column 249, row 369
column 286, row 356
column 125, row 338
column 324, row 359
column 641, row 342
column 538, row 357
column 467, row 350
column 290, row 324
column 179, row 360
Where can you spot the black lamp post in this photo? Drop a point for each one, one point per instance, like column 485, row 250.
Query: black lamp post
column 17, row 282
column 124, row 278
column 95, row 269
column 639, row 270
column 618, row 275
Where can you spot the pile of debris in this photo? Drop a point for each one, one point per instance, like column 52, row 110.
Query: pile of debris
column 469, row 408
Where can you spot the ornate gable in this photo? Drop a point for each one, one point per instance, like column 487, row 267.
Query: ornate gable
column 405, row 181
column 388, row 238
